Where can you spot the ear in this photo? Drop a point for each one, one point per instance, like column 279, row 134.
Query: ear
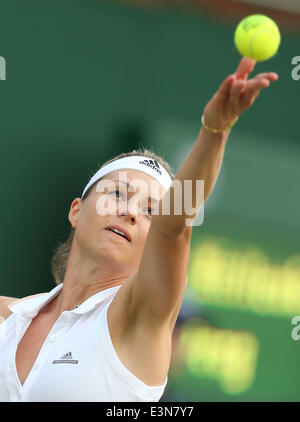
column 74, row 212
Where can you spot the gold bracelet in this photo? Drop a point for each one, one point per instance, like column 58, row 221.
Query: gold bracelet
column 213, row 130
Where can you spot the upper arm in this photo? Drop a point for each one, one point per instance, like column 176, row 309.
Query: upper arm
column 157, row 290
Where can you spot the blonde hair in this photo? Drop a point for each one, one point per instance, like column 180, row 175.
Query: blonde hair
column 61, row 252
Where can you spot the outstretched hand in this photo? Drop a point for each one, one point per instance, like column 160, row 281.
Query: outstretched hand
column 236, row 94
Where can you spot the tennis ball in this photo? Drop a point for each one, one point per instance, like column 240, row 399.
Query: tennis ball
column 257, row 37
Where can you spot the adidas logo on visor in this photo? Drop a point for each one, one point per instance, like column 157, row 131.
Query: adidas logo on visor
column 153, row 164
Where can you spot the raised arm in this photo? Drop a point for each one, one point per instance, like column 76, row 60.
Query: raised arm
column 234, row 96
column 143, row 313
column 145, row 309
column 161, row 279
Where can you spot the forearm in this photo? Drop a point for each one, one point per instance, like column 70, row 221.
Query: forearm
column 235, row 95
column 202, row 163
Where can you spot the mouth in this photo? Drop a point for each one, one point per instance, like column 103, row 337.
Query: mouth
column 120, row 232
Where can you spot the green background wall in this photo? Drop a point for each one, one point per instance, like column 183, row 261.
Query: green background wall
column 87, row 80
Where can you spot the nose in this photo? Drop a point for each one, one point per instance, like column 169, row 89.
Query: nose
column 131, row 210
column 130, row 216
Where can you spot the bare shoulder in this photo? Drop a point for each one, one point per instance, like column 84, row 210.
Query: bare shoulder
column 6, row 301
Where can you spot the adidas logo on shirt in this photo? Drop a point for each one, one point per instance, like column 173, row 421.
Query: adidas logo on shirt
column 67, row 358
column 153, row 164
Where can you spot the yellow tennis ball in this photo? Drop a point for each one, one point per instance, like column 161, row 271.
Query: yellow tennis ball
column 257, row 37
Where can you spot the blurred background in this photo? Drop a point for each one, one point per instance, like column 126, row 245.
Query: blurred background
column 87, row 80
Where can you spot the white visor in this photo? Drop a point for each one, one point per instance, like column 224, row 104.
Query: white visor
column 134, row 162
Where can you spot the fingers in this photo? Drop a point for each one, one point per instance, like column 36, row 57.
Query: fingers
column 235, row 92
column 254, row 84
column 262, row 80
column 243, row 92
column 271, row 76
column 245, row 67
column 225, row 87
column 252, row 89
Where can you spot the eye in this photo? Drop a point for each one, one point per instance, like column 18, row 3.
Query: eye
column 149, row 212
column 119, row 192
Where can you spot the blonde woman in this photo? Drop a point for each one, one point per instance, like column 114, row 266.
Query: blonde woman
column 104, row 332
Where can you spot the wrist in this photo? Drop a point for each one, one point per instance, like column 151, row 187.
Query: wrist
column 217, row 127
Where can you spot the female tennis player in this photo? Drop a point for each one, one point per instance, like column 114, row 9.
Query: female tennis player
column 104, row 332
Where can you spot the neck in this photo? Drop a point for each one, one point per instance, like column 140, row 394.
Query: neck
column 83, row 279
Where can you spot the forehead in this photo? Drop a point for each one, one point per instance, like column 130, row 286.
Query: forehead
column 135, row 178
column 137, row 182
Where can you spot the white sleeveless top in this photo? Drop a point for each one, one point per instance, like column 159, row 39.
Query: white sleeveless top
column 77, row 361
